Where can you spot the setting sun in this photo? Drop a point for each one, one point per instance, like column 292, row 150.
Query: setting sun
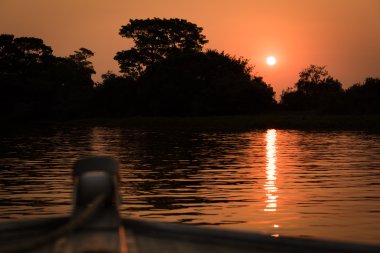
column 271, row 60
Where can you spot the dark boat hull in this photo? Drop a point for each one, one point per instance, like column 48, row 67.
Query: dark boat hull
column 148, row 236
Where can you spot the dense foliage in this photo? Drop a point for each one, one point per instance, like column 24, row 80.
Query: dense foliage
column 315, row 90
column 198, row 83
column 36, row 84
column 364, row 98
column 166, row 73
column 155, row 39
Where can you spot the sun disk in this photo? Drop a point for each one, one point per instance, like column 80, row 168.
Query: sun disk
column 271, row 60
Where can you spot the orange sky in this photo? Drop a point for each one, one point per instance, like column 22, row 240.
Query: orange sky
column 342, row 34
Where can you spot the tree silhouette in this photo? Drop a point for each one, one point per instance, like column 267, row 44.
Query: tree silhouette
column 22, row 56
column 80, row 58
column 315, row 90
column 74, row 70
column 365, row 97
column 115, row 96
column 154, row 40
column 36, row 84
column 197, row 83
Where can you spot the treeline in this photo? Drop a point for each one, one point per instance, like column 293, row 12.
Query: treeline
column 35, row 84
column 187, row 84
column 165, row 73
column 317, row 91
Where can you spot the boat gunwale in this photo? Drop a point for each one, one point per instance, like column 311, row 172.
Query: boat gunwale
column 201, row 235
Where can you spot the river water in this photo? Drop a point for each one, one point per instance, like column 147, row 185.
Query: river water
column 278, row 182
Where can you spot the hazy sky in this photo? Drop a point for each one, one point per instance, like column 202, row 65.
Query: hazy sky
column 342, row 34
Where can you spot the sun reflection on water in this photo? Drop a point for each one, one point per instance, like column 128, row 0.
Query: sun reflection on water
column 270, row 183
column 271, row 175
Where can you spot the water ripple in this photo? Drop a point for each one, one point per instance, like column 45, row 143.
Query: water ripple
column 280, row 182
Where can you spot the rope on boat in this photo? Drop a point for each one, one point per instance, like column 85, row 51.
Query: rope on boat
column 74, row 223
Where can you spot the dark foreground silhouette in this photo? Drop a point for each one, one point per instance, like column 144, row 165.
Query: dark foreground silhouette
column 166, row 73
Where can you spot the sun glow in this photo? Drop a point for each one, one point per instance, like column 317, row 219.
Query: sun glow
column 271, row 60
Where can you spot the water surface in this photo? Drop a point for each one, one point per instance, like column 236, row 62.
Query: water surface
column 278, row 182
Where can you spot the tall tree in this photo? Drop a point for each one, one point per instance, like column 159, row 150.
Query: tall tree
column 22, row 55
column 154, row 40
column 79, row 67
column 80, row 57
column 315, row 80
column 315, row 90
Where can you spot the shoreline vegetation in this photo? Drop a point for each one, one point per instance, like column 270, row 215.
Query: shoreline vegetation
column 295, row 121
column 290, row 121
column 168, row 80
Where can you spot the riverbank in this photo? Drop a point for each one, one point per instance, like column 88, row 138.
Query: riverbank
column 301, row 121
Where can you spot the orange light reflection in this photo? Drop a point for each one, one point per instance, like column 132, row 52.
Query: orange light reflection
column 270, row 184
